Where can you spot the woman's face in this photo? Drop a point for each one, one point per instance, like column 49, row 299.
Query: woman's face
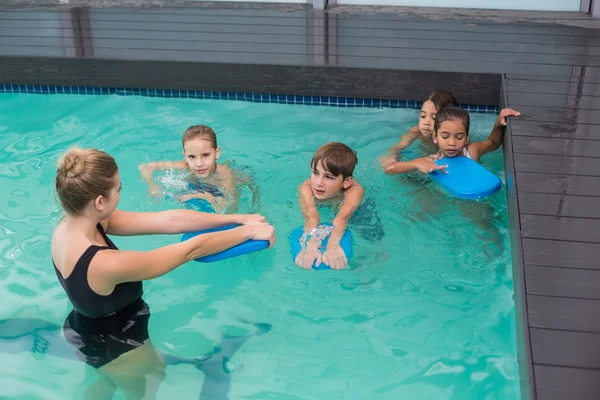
column 108, row 205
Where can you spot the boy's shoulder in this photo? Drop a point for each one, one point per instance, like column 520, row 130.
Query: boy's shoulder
column 354, row 189
column 355, row 184
column 224, row 169
column 304, row 186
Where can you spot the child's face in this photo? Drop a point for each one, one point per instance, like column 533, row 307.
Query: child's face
column 201, row 157
column 451, row 137
column 427, row 117
column 325, row 185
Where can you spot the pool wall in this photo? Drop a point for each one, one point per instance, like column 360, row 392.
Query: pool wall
column 385, row 84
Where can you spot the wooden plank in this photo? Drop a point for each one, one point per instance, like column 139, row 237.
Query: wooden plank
column 349, row 38
column 559, row 115
column 563, row 282
column 491, row 38
column 8, row 34
column 566, row 349
column 560, row 383
column 520, row 127
column 557, row 164
column 248, row 46
column 559, row 184
column 456, row 55
column 559, row 205
column 563, row 313
column 578, row 101
column 289, row 18
column 560, row 228
column 578, row 75
column 555, row 87
column 466, row 66
column 559, row 147
column 360, row 36
column 561, row 254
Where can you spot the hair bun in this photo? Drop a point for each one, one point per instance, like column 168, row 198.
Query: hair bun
column 72, row 164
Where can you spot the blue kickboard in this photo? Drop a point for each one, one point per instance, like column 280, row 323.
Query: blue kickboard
column 295, row 247
column 466, row 179
column 248, row 246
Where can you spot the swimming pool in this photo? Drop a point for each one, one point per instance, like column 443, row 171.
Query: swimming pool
column 426, row 312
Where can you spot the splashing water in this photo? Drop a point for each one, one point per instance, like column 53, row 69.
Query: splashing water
column 319, row 233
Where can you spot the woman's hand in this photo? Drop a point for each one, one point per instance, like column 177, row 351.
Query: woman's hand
column 251, row 219
column 262, row 231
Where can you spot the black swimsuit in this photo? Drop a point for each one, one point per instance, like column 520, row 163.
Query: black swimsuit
column 103, row 327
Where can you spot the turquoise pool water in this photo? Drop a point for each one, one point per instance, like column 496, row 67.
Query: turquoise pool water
column 426, row 312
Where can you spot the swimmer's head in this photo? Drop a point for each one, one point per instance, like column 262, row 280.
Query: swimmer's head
column 451, row 130
column 87, row 181
column 200, row 150
column 332, row 168
column 436, row 101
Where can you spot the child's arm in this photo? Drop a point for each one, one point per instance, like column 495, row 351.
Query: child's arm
column 218, row 203
column 311, row 253
column 404, row 142
column 494, row 141
column 418, row 164
column 255, row 202
column 246, row 180
column 149, row 168
column 334, row 255
column 307, row 206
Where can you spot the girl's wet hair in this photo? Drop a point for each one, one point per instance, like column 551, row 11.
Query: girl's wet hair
column 452, row 113
column 82, row 176
column 200, row 132
column 442, row 99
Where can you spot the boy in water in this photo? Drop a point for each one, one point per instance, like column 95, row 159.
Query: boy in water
column 331, row 182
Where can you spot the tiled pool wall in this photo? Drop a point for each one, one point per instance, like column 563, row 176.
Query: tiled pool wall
column 332, row 101
column 264, row 83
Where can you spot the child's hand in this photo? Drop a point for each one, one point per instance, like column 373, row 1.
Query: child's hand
column 335, row 257
column 307, row 257
column 251, row 219
column 506, row 112
column 154, row 190
column 427, row 166
column 386, row 160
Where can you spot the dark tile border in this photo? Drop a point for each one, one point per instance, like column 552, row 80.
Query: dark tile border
column 332, row 101
column 358, row 83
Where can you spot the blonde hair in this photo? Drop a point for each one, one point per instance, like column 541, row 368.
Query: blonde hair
column 202, row 132
column 83, row 175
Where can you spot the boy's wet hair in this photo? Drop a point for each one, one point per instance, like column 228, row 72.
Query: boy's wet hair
column 200, row 132
column 451, row 113
column 442, row 99
column 336, row 158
